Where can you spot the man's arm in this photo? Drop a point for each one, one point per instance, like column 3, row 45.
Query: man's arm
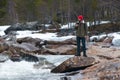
column 76, row 26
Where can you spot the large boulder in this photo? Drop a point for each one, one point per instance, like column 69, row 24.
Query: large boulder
column 18, row 53
column 33, row 41
column 62, row 49
column 26, row 46
column 74, row 63
column 57, row 47
column 23, row 26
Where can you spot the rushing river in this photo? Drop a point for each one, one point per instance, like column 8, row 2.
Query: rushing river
column 25, row 71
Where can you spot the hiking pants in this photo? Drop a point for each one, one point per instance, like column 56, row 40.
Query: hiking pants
column 81, row 40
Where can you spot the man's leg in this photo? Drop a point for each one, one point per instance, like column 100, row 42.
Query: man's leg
column 84, row 46
column 78, row 46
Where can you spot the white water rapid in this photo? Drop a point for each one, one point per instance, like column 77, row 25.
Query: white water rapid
column 25, row 70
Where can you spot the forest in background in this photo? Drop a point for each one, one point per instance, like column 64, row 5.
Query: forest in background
column 61, row 11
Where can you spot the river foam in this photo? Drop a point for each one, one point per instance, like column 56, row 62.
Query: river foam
column 25, row 71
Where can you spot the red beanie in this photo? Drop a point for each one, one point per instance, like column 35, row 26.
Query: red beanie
column 80, row 17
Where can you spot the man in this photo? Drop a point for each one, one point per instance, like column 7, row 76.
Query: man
column 81, row 33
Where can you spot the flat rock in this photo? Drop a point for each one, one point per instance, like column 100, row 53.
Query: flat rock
column 108, row 70
column 63, row 49
column 73, row 64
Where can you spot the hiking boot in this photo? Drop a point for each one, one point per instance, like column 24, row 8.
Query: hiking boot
column 85, row 55
column 77, row 55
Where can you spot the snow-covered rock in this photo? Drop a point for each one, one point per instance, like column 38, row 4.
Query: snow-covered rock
column 3, row 28
column 116, row 39
column 97, row 37
column 94, row 38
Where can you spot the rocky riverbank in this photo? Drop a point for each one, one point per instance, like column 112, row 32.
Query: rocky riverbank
column 106, row 65
column 103, row 49
column 107, row 57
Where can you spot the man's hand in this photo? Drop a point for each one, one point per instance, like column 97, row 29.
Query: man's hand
column 76, row 26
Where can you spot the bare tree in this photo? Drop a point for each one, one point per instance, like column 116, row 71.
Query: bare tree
column 13, row 17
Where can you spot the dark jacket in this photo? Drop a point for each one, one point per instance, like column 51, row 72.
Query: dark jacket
column 81, row 29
